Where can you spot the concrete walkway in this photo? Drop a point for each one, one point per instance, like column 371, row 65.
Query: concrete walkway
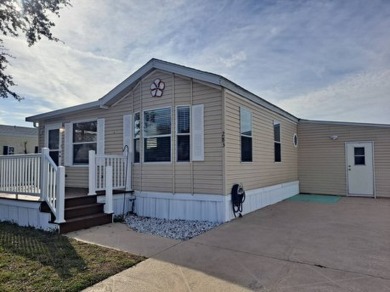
column 290, row 246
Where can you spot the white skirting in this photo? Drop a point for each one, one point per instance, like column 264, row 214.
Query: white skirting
column 215, row 208
column 25, row 213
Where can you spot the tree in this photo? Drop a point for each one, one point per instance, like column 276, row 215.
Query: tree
column 31, row 19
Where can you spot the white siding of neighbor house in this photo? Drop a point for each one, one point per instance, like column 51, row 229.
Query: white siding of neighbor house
column 24, row 140
column 322, row 164
column 173, row 177
column 263, row 171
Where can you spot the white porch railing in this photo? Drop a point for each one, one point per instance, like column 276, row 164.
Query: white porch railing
column 20, row 174
column 37, row 175
column 121, row 172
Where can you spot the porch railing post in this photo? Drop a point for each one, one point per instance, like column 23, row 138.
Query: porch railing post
column 108, row 205
column 128, row 172
column 92, row 173
column 60, row 195
column 44, row 172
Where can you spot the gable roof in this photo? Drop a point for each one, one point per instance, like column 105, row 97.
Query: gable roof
column 121, row 90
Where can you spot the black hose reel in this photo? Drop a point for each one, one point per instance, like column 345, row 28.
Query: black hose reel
column 238, row 198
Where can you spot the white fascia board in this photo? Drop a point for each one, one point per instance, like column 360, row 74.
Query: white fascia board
column 303, row 121
column 62, row 112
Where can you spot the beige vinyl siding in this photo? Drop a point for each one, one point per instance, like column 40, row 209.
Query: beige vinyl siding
column 322, row 164
column 262, row 171
column 174, row 177
column 208, row 174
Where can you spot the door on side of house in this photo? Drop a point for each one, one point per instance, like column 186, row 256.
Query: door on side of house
column 53, row 142
column 360, row 170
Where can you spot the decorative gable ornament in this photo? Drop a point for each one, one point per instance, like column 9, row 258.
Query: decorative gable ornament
column 157, row 88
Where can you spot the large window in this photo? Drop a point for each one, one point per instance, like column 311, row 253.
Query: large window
column 157, row 135
column 136, row 138
column 84, row 139
column 183, row 133
column 277, row 144
column 246, row 135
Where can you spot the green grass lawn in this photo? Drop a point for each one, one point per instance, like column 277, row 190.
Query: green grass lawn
column 34, row 260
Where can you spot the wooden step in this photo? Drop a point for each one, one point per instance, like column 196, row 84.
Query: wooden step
column 83, row 222
column 81, row 200
column 83, row 210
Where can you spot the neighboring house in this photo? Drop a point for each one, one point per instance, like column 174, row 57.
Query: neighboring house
column 18, row 140
column 192, row 135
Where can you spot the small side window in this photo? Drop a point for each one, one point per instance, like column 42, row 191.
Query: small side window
column 246, row 135
column 277, row 143
column 295, row 140
column 359, row 154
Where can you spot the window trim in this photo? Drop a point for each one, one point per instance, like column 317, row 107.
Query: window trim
column 154, row 136
column 277, row 142
column 183, row 134
column 247, row 136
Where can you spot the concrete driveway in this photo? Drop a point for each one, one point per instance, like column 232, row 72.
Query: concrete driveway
column 290, row 246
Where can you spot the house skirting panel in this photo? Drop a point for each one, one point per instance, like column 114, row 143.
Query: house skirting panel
column 260, row 198
column 25, row 213
column 215, row 208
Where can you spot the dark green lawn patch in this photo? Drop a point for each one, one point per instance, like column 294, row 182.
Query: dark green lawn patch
column 34, row 260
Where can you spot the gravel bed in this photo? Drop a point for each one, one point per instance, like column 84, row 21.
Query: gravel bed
column 175, row 229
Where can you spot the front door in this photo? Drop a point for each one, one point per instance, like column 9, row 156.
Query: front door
column 53, row 142
column 360, row 171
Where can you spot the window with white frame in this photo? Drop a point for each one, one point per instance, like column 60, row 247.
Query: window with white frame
column 157, row 135
column 136, row 138
column 277, row 144
column 84, row 140
column 246, row 135
column 183, row 133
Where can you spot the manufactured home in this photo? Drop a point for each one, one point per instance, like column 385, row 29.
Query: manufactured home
column 172, row 141
column 18, row 140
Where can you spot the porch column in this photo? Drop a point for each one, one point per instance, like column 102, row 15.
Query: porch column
column 109, row 200
column 91, row 173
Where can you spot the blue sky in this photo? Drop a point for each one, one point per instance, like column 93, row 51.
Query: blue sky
column 323, row 60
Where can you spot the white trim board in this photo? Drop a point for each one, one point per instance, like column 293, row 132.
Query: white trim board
column 208, row 207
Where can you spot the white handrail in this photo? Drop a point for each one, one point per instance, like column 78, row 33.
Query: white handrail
column 97, row 172
column 53, row 185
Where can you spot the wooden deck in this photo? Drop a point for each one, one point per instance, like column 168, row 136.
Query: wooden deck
column 69, row 193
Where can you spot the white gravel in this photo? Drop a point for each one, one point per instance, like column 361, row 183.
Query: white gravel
column 175, row 229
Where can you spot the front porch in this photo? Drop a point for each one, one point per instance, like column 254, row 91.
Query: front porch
column 33, row 192
column 80, row 211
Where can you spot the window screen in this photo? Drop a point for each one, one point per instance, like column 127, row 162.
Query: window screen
column 84, row 140
column 157, row 135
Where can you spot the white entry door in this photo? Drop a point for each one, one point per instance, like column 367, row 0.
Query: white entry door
column 360, row 171
column 53, row 142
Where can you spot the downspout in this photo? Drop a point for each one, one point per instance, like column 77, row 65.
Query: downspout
column 191, row 138
column 173, row 131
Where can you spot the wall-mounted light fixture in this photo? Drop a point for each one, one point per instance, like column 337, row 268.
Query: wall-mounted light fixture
column 333, row 137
